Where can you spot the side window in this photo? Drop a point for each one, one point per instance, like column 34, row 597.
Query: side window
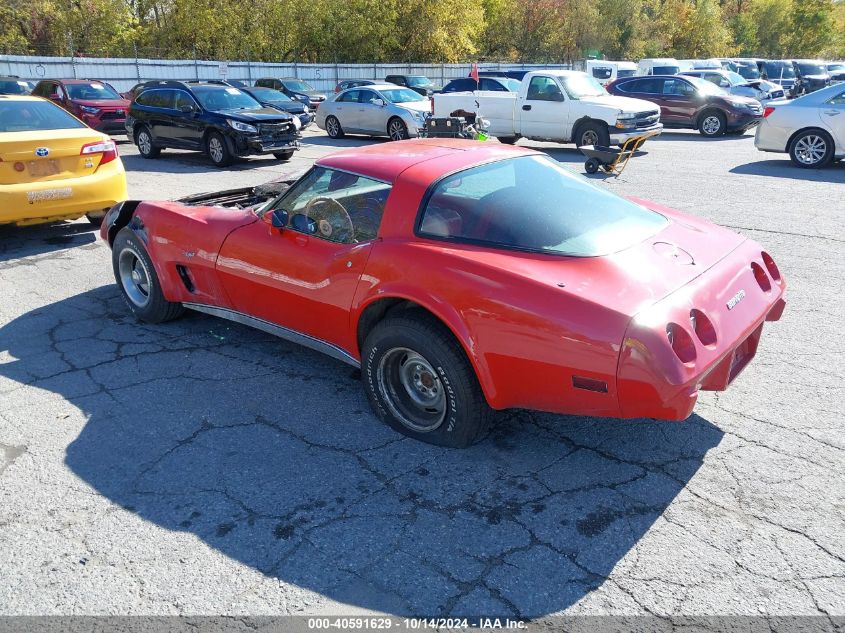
column 677, row 87
column 184, row 99
column 838, row 99
column 336, row 206
column 543, row 89
column 40, row 90
column 462, row 85
column 491, row 84
column 367, row 96
column 349, row 97
column 714, row 78
column 143, row 99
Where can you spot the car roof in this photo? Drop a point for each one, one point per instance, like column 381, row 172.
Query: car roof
column 388, row 160
column 20, row 98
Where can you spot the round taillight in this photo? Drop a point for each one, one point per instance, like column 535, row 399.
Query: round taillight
column 771, row 266
column 761, row 277
column 19, row 166
column 681, row 342
column 703, row 327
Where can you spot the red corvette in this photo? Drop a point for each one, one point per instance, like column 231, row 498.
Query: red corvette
column 463, row 277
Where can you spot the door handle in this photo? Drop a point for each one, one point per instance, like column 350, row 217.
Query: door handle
column 526, row 107
column 831, row 112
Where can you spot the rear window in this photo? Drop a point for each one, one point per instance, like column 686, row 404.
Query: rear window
column 28, row 116
column 533, row 204
column 665, row 70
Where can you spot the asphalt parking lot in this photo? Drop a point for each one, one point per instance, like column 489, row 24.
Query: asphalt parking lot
column 199, row 467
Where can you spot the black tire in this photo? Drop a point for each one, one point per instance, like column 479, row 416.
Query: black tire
column 333, row 127
column 96, row 218
column 508, row 140
column 287, row 155
column 142, row 293
column 713, row 123
column 457, row 415
column 397, row 130
column 146, row 146
column 218, row 150
column 592, row 133
column 811, row 149
column 592, row 165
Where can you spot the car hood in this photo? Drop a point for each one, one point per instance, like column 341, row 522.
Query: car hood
column 313, row 94
column 102, row 103
column 256, row 116
column 626, row 104
column 294, row 107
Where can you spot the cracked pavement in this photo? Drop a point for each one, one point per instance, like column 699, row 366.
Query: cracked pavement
column 200, row 467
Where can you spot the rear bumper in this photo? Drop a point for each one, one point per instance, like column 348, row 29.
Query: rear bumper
column 654, row 382
column 69, row 198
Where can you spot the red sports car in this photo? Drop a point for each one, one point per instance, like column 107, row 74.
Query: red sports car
column 463, row 277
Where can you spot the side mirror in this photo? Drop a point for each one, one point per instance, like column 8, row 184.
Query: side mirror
column 725, row 83
column 557, row 96
column 186, row 109
column 378, row 102
column 277, row 219
column 55, row 97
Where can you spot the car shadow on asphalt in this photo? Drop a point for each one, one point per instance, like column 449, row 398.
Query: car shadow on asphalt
column 183, row 162
column 17, row 242
column 342, row 143
column 784, row 168
column 269, row 454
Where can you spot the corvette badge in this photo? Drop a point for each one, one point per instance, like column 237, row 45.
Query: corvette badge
column 736, row 299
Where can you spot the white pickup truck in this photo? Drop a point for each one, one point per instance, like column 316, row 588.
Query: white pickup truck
column 564, row 106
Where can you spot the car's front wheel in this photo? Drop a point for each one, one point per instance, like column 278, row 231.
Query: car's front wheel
column 712, row 124
column 397, row 130
column 592, row 133
column 811, row 149
column 420, row 382
column 218, row 151
column 138, row 282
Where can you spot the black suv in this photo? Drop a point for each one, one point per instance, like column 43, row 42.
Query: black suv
column 14, row 85
column 295, row 89
column 418, row 83
column 212, row 117
column 810, row 75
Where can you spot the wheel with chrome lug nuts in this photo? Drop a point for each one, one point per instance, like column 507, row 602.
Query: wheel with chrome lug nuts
column 218, row 151
column 811, row 149
column 333, row 128
column 712, row 124
column 146, row 147
column 397, row 130
column 420, row 382
column 138, row 282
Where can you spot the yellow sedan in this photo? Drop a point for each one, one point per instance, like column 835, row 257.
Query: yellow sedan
column 53, row 166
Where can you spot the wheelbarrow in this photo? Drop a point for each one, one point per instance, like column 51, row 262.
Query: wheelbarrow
column 613, row 159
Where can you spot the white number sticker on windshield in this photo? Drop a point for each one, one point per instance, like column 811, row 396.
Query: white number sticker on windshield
column 233, row 91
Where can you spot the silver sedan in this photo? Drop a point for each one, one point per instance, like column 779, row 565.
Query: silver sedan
column 377, row 110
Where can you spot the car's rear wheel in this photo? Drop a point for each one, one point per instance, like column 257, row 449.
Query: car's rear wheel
column 592, row 133
column 811, row 149
column 146, row 147
column 218, row 151
column 138, row 282
column 333, row 128
column 421, row 384
column 713, row 123
column 397, row 130
column 284, row 155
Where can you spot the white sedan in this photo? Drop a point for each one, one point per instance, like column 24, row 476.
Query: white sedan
column 811, row 129
column 376, row 110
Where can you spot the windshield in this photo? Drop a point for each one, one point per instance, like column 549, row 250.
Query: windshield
column 297, row 85
column 836, row 66
column 706, row 87
column 270, row 96
column 532, row 203
column 582, row 85
column 14, row 87
column 401, row 95
column 665, row 70
column 735, row 78
column 94, row 91
column 215, row 99
column 812, row 69
column 778, row 70
column 748, row 72
column 28, row 116
column 419, row 82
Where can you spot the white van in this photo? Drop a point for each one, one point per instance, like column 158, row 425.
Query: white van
column 658, row 66
column 606, row 71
